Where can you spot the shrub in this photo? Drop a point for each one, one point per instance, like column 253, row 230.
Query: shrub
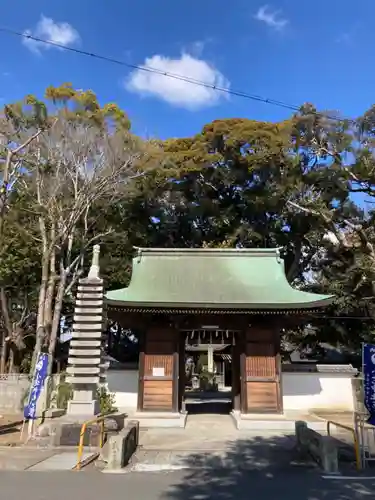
column 106, row 400
column 63, row 394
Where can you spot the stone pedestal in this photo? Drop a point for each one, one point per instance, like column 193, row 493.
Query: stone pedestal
column 84, row 408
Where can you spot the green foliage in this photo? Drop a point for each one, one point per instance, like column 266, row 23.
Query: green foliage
column 63, row 394
column 25, row 365
column 83, row 106
column 202, row 362
column 229, row 185
column 106, row 401
column 207, row 381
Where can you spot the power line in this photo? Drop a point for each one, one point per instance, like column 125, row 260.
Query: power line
column 167, row 74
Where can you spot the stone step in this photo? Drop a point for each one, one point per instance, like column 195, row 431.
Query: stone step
column 89, row 296
column 89, row 303
column 86, row 334
column 84, row 380
column 88, row 318
column 88, row 310
column 94, row 327
column 85, row 343
column 86, row 370
column 89, row 361
column 90, row 288
column 85, row 352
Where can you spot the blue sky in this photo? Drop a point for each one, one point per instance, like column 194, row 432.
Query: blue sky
column 290, row 50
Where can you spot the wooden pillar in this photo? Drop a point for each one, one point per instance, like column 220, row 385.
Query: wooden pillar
column 261, row 371
column 159, row 370
column 176, row 373
column 141, row 369
column 243, row 375
column 236, row 378
column 181, row 374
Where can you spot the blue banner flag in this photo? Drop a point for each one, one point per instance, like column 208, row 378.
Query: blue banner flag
column 368, row 355
column 40, row 375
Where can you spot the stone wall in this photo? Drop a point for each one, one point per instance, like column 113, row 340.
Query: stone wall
column 13, row 389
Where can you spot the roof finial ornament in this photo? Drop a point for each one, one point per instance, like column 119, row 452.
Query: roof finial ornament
column 94, row 269
column 278, row 255
column 139, row 253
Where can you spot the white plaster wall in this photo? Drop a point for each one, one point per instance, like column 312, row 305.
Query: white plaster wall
column 306, row 391
column 124, row 385
column 301, row 391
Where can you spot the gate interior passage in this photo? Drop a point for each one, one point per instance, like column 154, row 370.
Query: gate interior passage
column 252, row 356
column 208, row 355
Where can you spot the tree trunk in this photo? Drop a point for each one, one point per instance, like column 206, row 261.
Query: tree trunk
column 50, row 291
column 11, row 362
column 4, row 349
column 7, row 333
column 48, row 305
column 56, row 318
column 40, row 325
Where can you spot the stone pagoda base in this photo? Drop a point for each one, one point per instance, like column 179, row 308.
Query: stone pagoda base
column 83, row 408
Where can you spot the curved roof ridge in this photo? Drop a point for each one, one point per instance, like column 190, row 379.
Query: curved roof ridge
column 262, row 252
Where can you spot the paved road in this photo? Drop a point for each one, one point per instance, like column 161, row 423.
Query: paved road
column 186, row 485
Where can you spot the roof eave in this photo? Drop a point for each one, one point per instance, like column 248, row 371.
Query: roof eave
column 240, row 307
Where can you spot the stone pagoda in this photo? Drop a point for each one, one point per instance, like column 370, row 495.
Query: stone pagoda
column 85, row 352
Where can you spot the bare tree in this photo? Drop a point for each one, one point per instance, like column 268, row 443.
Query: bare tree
column 18, row 135
column 77, row 164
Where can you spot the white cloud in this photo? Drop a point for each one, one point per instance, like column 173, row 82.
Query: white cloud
column 345, row 39
column 350, row 36
column 47, row 29
column 273, row 18
column 197, row 48
column 174, row 91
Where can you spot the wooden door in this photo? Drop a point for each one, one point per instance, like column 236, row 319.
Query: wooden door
column 261, row 372
column 159, row 373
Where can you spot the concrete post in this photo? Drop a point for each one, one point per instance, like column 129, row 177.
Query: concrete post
column 301, row 431
column 329, row 455
column 85, row 347
column 119, row 448
column 210, row 359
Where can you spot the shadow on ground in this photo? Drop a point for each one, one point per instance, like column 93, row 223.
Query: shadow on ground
column 264, row 468
column 207, row 408
column 10, row 427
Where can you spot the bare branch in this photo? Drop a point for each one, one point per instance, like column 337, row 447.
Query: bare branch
column 26, row 143
column 357, row 228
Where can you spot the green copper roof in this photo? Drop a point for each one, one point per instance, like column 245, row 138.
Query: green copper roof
column 212, row 279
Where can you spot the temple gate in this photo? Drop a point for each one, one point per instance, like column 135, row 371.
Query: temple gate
column 239, row 290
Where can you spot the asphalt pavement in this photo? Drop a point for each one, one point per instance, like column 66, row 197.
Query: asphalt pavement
column 182, row 485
